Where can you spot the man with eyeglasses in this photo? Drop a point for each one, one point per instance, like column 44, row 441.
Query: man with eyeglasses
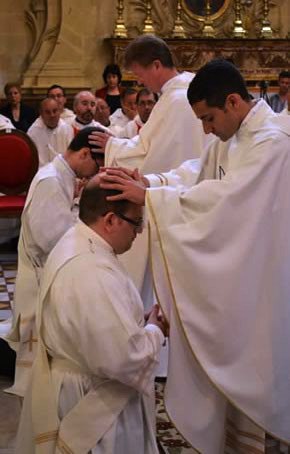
column 47, row 215
column 145, row 100
column 57, row 93
column 94, row 370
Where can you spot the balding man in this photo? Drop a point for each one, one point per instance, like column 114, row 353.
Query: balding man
column 85, row 109
column 49, row 132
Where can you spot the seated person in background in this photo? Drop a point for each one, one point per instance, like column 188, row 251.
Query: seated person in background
column 102, row 112
column 49, row 132
column 5, row 123
column 278, row 101
column 85, row 110
column 47, row 215
column 126, row 113
column 95, row 368
column 111, row 92
column 286, row 111
column 146, row 100
column 21, row 115
column 57, row 93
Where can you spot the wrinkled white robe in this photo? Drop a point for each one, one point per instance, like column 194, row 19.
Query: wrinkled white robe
column 5, row 123
column 50, row 142
column 99, row 380
column 131, row 129
column 118, row 121
column 47, row 215
column 67, row 116
column 221, row 260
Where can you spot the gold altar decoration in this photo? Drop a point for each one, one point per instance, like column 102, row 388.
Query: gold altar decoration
column 238, row 31
column 120, row 28
column 207, row 29
column 178, row 30
column 213, row 15
column 266, row 30
column 148, row 24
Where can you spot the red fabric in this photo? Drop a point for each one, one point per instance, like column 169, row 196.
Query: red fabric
column 101, row 93
column 15, row 161
column 12, row 203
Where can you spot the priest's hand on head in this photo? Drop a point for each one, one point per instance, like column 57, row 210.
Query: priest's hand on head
column 99, row 140
column 131, row 186
column 156, row 318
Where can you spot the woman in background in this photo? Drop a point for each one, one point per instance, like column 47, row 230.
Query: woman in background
column 111, row 91
column 21, row 115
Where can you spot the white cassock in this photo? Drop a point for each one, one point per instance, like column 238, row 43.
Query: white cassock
column 5, row 123
column 131, row 129
column 50, row 142
column 171, row 135
column 118, row 121
column 221, row 261
column 68, row 116
column 95, row 364
column 47, row 215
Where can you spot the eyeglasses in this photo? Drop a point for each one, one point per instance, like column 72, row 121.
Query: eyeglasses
column 137, row 223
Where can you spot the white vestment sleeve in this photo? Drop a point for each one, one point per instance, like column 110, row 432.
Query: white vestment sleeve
column 57, row 217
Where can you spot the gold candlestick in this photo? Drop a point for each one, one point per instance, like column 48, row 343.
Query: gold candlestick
column 266, row 30
column 148, row 24
column 238, row 31
column 178, row 30
column 120, row 28
column 208, row 30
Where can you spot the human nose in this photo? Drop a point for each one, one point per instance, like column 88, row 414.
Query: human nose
column 207, row 128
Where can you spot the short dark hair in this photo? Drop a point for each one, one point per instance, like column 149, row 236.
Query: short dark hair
column 81, row 139
column 214, row 82
column 127, row 92
column 284, row 74
column 112, row 69
column 94, row 203
column 10, row 85
column 146, row 91
column 52, row 87
column 147, row 48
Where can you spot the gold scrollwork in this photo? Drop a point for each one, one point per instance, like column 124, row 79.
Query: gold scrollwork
column 194, row 11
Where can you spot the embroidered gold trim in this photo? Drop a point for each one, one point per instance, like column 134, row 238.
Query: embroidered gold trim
column 45, row 437
column 23, row 363
column 150, row 207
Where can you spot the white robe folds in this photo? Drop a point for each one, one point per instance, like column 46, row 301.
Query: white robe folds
column 118, row 121
column 67, row 116
column 92, row 384
column 171, row 135
column 131, row 129
column 50, row 142
column 221, row 261
column 5, row 123
column 47, row 215
column 77, row 126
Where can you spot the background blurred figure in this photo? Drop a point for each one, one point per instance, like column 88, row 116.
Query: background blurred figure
column 145, row 100
column 126, row 113
column 49, row 132
column 57, row 93
column 21, row 115
column 102, row 114
column 85, row 110
column 278, row 101
column 111, row 91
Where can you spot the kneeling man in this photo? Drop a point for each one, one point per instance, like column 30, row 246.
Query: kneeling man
column 92, row 384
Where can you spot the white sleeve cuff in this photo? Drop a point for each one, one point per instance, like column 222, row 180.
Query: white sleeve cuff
column 155, row 329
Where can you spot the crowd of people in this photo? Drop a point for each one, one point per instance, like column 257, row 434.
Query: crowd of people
column 157, row 224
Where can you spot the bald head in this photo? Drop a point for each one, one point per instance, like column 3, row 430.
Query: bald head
column 85, row 106
column 49, row 112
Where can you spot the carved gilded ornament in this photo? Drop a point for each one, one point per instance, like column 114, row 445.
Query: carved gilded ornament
column 197, row 8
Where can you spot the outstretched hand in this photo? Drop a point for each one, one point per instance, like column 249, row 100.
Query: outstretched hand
column 131, row 185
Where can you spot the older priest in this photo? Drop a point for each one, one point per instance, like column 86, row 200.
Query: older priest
column 92, row 385
column 221, row 260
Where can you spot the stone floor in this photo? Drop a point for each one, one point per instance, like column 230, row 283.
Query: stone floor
column 10, row 407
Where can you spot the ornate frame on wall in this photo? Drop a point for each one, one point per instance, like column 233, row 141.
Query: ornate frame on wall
column 222, row 10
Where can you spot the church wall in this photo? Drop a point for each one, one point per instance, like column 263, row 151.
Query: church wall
column 64, row 41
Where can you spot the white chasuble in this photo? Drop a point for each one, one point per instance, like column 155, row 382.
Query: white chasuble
column 47, row 215
column 221, row 260
column 92, row 386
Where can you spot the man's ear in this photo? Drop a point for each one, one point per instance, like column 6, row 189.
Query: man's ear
column 233, row 101
column 110, row 221
column 84, row 151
